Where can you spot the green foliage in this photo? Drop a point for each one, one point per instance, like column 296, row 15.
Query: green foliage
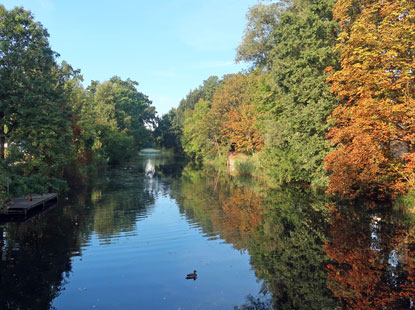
column 257, row 41
column 110, row 119
column 35, row 120
column 251, row 165
column 4, row 186
column 118, row 147
column 49, row 122
column 196, row 141
column 204, row 91
column 301, row 101
column 165, row 135
column 120, row 107
column 406, row 203
column 287, row 250
column 171, row 131
column 245, row 167
column 227, row 123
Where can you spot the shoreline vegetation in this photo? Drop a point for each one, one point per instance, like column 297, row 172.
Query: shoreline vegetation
column 328, row 103
column 54, row 132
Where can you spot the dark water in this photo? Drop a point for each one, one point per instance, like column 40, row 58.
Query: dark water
column 127, row 242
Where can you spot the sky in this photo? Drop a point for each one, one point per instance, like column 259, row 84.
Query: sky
column 168, row 46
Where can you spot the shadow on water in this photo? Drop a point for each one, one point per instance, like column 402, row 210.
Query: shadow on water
column 35, row 258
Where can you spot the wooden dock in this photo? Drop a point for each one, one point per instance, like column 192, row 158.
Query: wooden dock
column 23, row 207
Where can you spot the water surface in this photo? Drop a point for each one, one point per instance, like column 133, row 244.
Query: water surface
column 128, row 239
column 124, row 243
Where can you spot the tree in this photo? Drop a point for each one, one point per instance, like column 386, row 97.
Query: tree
column 233, row 116
column 374, row 127
column 122, row 116
column 204, row 92
column 35, row 118
column 197, row 140
column 227, row 123
column 241, row 129
column 164, row 134
column 300, row 100
column 28, row 76
column 257, row 41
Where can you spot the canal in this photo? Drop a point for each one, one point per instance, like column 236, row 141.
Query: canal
column 129, row 238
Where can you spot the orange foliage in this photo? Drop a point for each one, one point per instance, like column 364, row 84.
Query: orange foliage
column 243, row 210
column 233, row 114
column 360, row 274
column 240, row 130
column 355, row 272
column 233, row 93
column 375, row 124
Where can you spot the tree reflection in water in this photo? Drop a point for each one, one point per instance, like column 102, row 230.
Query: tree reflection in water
column 283, row 231
column 220, row 206
column 35, row 261
column 307, row 253
column 36, row 257
column 287, row 250
column 373, row 259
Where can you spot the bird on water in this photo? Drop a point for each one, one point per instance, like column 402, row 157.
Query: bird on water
column 192, row 275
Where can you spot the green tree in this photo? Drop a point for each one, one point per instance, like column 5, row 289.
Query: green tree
column 35, row 118
column 176, row 117
column 295, row 131
column 197, row 140
column 164, row 134
column 257, row 41
column 122, row 116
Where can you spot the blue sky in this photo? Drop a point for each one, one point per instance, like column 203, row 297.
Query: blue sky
column 168, row 46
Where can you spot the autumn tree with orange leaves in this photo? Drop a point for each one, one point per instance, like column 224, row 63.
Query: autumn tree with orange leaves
column 241, row 129
column 228, row 123
column 234, row 114
column 374, row 126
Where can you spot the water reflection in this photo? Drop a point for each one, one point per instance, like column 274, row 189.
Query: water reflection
column 35, row 261
column 219, row 206
column 123, row 243
column 150, row 170
column 37, row 256
column 128, row 241
column 287, row 250
column 373, row 259
column 283, row 230
column 310, row 253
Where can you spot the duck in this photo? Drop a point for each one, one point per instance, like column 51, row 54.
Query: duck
column 192, row 275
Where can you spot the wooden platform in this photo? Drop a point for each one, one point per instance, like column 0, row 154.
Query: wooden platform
column 22, row 207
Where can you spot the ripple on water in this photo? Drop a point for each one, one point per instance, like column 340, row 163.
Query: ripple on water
column 129, row 246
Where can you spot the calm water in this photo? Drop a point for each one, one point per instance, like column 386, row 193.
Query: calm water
column 128, row 240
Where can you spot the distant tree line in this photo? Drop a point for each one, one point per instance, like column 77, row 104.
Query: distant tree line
column 52, row 129
column 327, row 102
